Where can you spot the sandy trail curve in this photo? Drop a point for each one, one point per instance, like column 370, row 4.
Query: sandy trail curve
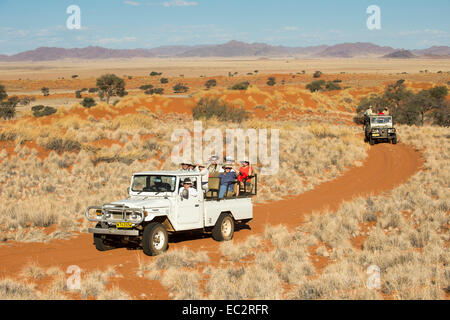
column 386, row 167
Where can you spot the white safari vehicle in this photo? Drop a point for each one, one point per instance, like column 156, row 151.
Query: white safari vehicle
column 155, row 209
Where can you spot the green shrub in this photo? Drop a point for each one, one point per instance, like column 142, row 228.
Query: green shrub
column 78, row 94
column 330, row 86
column 3, row 94
column 180, row 88
column 155, row 91
column 42, row 111
column 88, row 102
column 164, row 80
column 211, row 83
column 154, row 74
column 146, row 87
column 208, row 108
column 92, row 90
column 110, row 85
column 45, row 91
column 8, row 108
column 315, row 85
column 241, row 86
column 317, row 74
column 271, row 81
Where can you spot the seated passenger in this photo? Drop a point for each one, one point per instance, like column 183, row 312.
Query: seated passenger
column 187, row 185
column 227, row 181
column 245, row 172
column 205, row 176
column 214, row 166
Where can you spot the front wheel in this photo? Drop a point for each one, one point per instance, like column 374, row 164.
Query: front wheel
column 371, row 141
column 224, row 228
column 155, row 239
column 100, row 244
column 394, row 141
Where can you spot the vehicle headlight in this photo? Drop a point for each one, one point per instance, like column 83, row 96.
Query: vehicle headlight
column 134, row 216
column 375, row 130
column 108, row 215
column 391, row 130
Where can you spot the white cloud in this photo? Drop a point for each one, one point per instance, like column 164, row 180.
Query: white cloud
column 132, row 3
column 179, row 3
column 290, row 28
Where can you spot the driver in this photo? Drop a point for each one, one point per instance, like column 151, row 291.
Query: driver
column 187, row 185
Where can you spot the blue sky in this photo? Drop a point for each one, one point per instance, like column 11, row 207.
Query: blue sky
column 27, row 24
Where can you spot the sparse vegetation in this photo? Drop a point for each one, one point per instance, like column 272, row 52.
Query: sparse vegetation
column 241, row 86
column 109, row 85
column 180, row 88
column 210, row 83
column 45, row 91
column 88, row 102
column 42, row 111
column 208, row 108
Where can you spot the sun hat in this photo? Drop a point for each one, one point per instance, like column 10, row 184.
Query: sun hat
column 187, row 181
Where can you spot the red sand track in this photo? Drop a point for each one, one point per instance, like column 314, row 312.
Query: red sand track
column 386, row 167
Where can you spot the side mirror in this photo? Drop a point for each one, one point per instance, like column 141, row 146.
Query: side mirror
column 185, row 195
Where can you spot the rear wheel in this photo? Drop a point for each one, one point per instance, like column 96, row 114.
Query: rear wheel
column 99, row 242
column 224, row 228
column 371, row 141
column 155, row 239
column 394, row 140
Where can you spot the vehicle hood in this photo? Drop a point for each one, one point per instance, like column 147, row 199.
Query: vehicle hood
column 144, row 201
column 381, row 126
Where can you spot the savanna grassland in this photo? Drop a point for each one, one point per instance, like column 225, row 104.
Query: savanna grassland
column 54, row 166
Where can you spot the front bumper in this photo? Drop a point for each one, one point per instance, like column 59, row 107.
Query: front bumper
column 119, row 214
column 114, row 232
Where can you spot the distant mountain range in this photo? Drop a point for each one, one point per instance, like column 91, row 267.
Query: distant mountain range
column 228, row 50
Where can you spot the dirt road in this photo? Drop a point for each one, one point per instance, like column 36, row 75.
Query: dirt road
column 386, row 167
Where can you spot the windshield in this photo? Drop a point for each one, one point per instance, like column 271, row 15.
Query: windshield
column 381, row 120
column 153, row 183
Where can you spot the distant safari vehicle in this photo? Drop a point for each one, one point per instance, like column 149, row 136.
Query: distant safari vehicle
column 379, row 129
column 155, row 208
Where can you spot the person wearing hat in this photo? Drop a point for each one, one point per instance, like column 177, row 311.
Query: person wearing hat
column 245, row 172
column 187, row 185
column 369, row 111
column 184, row 167
column 227, row 181
column 205, row 176
column 214, row 166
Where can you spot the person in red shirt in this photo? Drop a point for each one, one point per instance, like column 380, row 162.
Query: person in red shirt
column 245, row 172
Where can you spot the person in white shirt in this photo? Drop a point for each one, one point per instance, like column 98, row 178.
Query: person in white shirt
column 187, row 185
column 205, row 176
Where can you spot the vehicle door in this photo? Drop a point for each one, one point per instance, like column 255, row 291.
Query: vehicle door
column 190, row 211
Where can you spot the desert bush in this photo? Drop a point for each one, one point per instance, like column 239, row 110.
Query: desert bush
column 146, row 87
column 60, row 145
column 164, row 80
column 211, row 83
column 315, row 85
column 45, row 91
column 93, row 90
column 109, row 85
column 42, row 111
column 155, row 91
column 207, row 108
column 317, row 74
column 3, row 94
column 88, row 102
column 241, row 86
column 271, row 81
column 8, row 108
column 154, row 74
column 180, row 88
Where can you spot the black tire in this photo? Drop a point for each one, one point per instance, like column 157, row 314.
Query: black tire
column 394, row 141
column 371, row 141
column 224, row 228
column 152, row 243
column 100, row 244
